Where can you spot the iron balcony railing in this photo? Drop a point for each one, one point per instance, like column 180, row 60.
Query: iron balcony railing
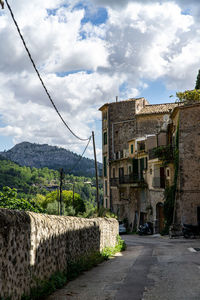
column 126, row 179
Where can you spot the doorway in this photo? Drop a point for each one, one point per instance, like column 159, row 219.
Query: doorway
column 160, row 217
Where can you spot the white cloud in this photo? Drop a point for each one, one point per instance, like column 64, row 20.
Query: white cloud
column 138, row 42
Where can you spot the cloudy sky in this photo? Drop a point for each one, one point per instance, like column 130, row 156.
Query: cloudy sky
column 88, row 52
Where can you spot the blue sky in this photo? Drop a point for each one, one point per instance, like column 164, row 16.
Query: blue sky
column 89, row 52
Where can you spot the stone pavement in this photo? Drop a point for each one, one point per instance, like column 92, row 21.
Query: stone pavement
column 152, row 268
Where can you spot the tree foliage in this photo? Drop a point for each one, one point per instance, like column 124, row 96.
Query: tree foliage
column 197, row 86
column 8, row 199
column 34, row 184
column 188, row 97
column 72, row 205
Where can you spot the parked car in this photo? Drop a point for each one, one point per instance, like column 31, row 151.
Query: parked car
column 122, row 228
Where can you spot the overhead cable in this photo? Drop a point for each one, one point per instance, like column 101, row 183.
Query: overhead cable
column 80, row 156
column 36, row 70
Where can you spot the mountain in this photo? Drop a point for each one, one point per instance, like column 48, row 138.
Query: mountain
column 52, row 157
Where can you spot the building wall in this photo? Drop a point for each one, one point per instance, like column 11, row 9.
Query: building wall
column 35, row 246
column 149, row 124
column 121, row 125
column 188, row 197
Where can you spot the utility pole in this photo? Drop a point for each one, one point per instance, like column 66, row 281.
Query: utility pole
column 2, row 4
column 58, row 200
column 73, row 195
column 96, row 171
column 61, row 183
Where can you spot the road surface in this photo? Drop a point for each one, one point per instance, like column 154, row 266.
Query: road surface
column 152, row 268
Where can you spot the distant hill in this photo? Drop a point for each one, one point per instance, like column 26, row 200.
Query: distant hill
column 52, row 157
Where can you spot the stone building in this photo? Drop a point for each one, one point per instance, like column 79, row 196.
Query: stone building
column 186, row 126
column 134, row 179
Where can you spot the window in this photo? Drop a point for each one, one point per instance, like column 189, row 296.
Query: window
column 105, row 166
column 132, row 149
column 167, row 172
column 121, row 154
column 105, row 138
column 129, row 170
column 105, row 115
column 121, row 172
column 141, row 146
column 117, row 155
column 106, row 188
column 106, row 203
column 145, row 163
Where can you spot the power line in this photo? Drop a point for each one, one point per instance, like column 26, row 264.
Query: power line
column 80, row 156
column 39, row 76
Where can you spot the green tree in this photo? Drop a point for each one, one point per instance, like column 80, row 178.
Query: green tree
column 8, row 199
column 197, row 86
column 68, row 200
column 188, row 97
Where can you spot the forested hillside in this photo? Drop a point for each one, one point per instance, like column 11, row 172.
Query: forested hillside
column 41, row 156
column 35, row 184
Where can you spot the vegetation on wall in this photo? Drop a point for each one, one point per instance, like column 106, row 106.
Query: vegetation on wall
column 164, row 153
column 170, row 192
column 74, row 269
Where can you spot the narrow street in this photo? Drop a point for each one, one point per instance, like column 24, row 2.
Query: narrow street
column 151, row 268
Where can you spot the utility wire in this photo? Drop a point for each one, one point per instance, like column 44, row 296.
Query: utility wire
column 80, row 157
column 36, row 70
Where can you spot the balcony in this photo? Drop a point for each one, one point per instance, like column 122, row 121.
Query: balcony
column 126, row 179
column 164, row 153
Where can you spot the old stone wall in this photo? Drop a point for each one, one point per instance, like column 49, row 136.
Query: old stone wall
column 188, row 197
column 149, row 124
column 121, row 125
column 34, row 246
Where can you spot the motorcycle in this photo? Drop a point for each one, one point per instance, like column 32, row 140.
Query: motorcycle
column 145, row 229
column 190, row 230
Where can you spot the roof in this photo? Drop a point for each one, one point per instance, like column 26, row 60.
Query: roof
column 157, row 108
column 182, row 105
column 122, row 101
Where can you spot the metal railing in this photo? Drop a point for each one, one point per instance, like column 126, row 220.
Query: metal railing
column 126, row 179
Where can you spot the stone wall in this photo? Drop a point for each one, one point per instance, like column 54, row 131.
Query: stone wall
column 149, row 124
column 34, row 246
column 121, row 125
column 188, row 197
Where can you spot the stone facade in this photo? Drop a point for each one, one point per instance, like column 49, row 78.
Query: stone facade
column 188, row 188
column 34, row 246
column 133, row 127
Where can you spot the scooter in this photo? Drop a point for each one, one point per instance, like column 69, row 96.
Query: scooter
column 190, row 230
column 145, row 229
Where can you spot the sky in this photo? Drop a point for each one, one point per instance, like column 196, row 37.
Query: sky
column 89, row 52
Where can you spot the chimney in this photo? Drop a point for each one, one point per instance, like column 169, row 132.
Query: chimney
column 116, row 98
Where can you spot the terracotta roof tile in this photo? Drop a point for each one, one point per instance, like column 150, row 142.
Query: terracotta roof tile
column 157, row 108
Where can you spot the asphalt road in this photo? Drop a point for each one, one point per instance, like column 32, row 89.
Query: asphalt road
column 152, row 268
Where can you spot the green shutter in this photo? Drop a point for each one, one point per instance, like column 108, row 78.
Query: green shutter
column 141, row 167
column 105, row 138
column 131, row 149
column 105, row 165
column 135, row 168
